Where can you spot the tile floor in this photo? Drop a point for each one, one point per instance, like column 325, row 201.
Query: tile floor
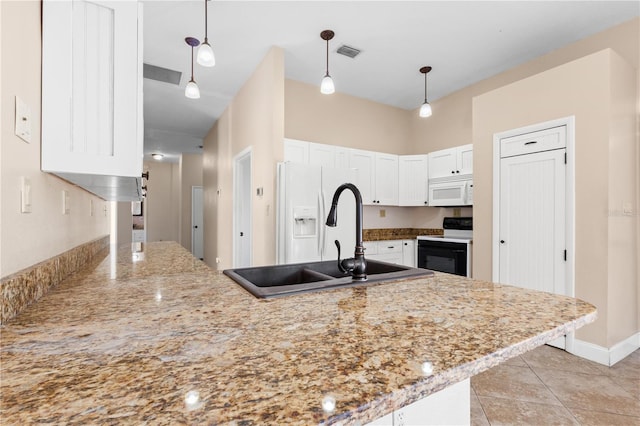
column 548, row 386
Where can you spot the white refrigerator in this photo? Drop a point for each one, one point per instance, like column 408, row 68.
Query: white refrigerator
column 305, row 193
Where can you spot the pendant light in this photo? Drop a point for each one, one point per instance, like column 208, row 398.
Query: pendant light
column 192, row 91
column 205, row 52
column 425, row 109
column 327, row 87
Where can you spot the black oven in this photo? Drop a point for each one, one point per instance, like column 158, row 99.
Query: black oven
column 444, row 256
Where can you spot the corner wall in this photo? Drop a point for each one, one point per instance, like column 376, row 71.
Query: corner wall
column 581, row 88
column 255, row 118
column 30, row 238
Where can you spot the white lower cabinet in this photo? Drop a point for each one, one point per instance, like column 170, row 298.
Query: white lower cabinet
column 409, row 253
column 450, row 406
column 401, row 252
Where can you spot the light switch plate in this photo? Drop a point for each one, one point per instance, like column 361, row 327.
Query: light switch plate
column 23, row 120
column 25, row 195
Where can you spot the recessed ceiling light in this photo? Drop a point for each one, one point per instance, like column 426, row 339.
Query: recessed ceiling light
column 157, row 156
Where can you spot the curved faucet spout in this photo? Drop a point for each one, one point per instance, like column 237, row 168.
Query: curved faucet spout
column 359, row 263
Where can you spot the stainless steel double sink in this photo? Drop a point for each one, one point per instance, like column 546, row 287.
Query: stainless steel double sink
column 283, row 280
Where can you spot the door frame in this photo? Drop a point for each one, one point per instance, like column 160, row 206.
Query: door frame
column 570, row 200
column 193, row 190
column 238, row 167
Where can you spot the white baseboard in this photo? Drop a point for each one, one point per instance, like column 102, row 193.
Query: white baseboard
column 602, row 355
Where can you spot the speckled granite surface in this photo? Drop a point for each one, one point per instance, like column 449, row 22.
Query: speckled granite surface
column 129, row 349
column 19, row 290
column 381, row 234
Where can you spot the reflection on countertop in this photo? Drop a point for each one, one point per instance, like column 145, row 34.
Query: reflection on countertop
column 170, row 341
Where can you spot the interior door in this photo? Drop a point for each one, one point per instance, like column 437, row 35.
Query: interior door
column 242, row 210
column 197, row 223
column 532, row 250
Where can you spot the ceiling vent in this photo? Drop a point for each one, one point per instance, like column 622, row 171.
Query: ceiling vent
column 349, row 51
column 161, row 74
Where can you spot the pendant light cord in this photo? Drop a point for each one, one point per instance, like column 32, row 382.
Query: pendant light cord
column 206, row 23
column 425, row 87
column 327, row 57
column 192, row 63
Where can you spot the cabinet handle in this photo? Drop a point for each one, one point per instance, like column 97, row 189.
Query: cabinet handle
column 457, row 171
column 453, row 172
column 501, row 241
column 530, row 142
column 145, row 175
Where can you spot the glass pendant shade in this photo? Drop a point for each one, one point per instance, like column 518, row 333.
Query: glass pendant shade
column 425, row 110
column 205, row 55
column 327, row 87
column 192, row 91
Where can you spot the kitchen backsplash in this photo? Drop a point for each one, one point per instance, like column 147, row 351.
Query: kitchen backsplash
column 19, row 290
column 380, row 234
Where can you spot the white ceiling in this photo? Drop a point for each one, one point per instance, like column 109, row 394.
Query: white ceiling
column 464, row 42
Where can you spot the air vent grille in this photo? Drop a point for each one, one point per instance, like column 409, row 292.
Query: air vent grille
column 165, row 75
column 349, row 51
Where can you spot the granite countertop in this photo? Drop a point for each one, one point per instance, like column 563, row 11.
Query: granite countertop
column 128, row 338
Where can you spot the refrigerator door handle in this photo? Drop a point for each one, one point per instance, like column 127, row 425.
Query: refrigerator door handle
column 320, row 223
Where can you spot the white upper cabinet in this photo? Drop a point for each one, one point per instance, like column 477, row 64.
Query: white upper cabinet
column 377, row 176
column 386, row 179
column 413, row 180
column 92, row 94
column 296, row 151
column 365, row 163
column 322, row 155
column 451, row 162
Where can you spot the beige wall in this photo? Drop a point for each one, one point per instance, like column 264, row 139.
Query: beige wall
column 190, row 175
column 162, row 204
column 582, row 88
column 29, row 238
column 343, row 120
column 450, row 124
column 254, row 119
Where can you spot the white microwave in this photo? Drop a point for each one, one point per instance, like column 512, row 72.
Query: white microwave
column 451, row 192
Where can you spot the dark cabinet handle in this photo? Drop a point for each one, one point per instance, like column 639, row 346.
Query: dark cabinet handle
column 501, row 241
column 242, row 234
column 196, row 226
column 530, row 142
column 457, row 171
column 452, row 171
column 145, row 175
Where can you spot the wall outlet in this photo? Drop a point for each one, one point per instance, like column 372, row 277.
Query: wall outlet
column 65, row 202
column 25, row 195
column 383, row 213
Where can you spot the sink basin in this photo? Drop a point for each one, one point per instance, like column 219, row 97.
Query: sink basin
column 282, row 280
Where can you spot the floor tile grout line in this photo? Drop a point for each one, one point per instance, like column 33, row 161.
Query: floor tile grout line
column 481, row 406
column 554, row 394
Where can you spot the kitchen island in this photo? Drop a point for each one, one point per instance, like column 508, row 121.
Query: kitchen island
column 154, row 336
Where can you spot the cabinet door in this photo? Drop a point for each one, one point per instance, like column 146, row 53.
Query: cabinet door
column 386, row 185
column 409, row 253
column 442, row 163
column 465, row 159
column 364, row 162
column 92, row 88
column 342, row 157
column 296, row 151
column 322, row 155
column 412, row 185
